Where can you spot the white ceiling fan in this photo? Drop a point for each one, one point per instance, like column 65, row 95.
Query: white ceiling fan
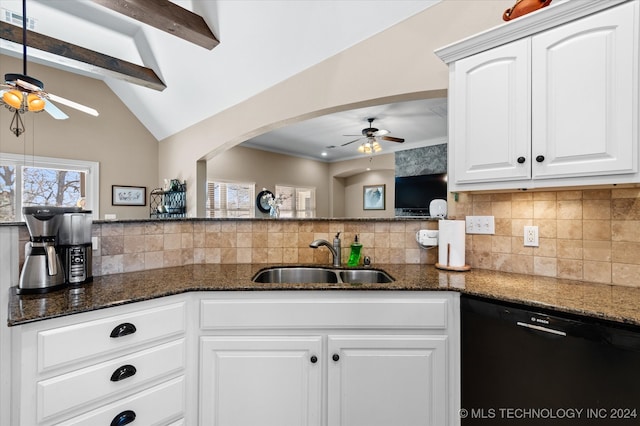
column 21, row 93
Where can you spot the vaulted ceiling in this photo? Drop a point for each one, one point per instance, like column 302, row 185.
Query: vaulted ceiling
column 159, row 59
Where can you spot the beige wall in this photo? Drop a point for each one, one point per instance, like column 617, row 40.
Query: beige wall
column 344, row 199
column 268, row 169
column 354, row 196
column 405, row 68
column 126, row 151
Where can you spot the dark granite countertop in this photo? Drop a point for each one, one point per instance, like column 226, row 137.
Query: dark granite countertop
column 616, row 303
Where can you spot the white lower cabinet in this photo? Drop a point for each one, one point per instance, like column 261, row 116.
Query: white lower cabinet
column 150, row 407
column 261, row 380
column 387, row 380
column 267, row 358
column 118, row 366
column 326, row 365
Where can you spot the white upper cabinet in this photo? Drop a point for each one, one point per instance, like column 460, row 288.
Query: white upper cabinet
column 582, row 96
column 491, row 99
column 547, row 100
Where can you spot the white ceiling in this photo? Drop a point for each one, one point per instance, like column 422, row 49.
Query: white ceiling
column 262, row 42
column 420, row 123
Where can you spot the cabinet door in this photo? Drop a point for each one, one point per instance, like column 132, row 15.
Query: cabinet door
column 490, row 115
column 387, row 380
column 260, row 380
column 584, row 83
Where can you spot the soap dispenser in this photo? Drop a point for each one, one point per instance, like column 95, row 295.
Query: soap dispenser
column 354, row 257
column 337, row 247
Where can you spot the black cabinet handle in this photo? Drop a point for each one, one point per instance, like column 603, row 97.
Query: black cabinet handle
column 521, row 160
column 123, row 418
column 123, row 329
column 314, row 359
column 540, row 158
column 335, row 357
column 123, row 372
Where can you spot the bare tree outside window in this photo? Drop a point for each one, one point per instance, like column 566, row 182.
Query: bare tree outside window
column 51, row 187
column 7, row 194
column 35, row 181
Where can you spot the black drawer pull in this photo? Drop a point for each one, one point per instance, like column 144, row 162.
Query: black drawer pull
column 335, row 357
column 314, row 359
column 123, row 329
column 521, row 160
column 540, row 158
column 123, row 418
column 123, row 372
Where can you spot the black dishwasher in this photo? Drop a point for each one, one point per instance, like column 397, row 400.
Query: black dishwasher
column 528, row 366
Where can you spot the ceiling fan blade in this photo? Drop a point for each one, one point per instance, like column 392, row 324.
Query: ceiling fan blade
column 392, row 139
column 54, row 111
column 350, row 142
column 28, row 86
column 72, row 104
column 381, row 132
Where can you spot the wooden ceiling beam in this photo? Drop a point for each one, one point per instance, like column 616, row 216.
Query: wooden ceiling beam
column 166, row 16
column 89, row 60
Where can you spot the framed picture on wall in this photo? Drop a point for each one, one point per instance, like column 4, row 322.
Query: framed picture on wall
column 128, row 195
column 373, row 197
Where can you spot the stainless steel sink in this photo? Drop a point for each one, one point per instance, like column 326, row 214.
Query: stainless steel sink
column 296, row 275
column 309, row 274
column 364, row 276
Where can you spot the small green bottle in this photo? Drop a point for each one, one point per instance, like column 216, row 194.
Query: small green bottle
column 354, row 257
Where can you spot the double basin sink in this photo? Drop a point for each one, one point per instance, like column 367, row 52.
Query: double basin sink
column 309, row 274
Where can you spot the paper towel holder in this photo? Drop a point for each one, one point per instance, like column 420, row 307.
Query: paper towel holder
column 462, row 268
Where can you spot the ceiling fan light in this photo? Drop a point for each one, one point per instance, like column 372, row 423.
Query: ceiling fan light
column 35, row 102
column 13, row 98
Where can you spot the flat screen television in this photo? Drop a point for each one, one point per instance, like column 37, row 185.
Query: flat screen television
column 414, row 193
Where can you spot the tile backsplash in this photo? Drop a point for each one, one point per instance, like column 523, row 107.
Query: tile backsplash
column 590, row 235
column 136, row 246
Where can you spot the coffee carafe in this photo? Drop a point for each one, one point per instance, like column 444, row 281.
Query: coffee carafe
column 42, row 270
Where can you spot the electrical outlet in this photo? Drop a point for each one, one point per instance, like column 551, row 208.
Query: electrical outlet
column 480, row 225
column 531, row 236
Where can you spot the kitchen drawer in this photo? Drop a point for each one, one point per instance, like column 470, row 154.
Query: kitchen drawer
column 159, row 405
column 77, row 388
column 354, row 311
column 70, row 344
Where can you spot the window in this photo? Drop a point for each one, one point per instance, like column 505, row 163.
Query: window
column 29, row 180
column 298, row 202
column 230, row 199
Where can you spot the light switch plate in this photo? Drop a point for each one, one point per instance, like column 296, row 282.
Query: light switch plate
column 480, row 225
column 531, row 236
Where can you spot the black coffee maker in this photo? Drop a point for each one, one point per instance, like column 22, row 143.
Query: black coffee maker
column 74, row 245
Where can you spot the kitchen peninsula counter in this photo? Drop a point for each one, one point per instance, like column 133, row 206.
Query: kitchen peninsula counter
column 611, row 302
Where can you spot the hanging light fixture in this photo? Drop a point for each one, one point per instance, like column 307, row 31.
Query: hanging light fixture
column 370, row 146
column 22, row 93
column 20, row 102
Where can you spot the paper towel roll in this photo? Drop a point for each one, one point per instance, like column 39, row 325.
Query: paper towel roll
column 451, row 243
